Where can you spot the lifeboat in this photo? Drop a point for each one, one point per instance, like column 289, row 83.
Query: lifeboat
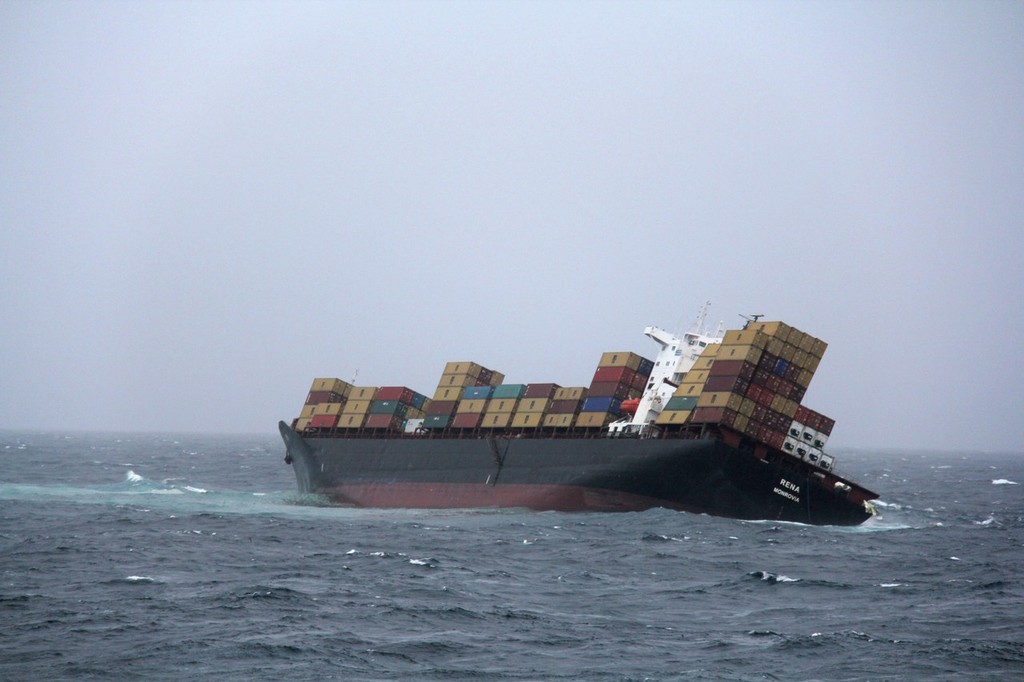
column 630, row 406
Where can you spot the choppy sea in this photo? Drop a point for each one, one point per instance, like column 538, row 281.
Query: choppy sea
column 152, row 557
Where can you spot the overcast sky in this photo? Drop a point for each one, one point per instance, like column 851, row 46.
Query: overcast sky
column 205, row 205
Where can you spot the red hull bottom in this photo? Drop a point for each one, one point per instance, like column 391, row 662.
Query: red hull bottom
column 476, row 495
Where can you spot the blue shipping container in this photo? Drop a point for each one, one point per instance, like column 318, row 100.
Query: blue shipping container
column 477, row 392
column 601, row 404
column 509, row 391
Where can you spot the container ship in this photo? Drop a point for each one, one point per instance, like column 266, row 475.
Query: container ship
column 714, row 424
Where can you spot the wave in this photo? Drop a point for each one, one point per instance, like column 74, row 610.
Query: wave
column 1003, row 481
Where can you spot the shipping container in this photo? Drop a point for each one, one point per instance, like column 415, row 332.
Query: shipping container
column 645, row 367
column 317, row 397
column 608, row 390
column 514, row 391
column 540, row 390
column 363, row 393
column 351, row 420
column 327, row 408
column 571, row 393
column 527, row 420
column 496, row 420
column 594, row 419
column 559, row 421
column 720, row 399
column 324, row 421
column 673, row 417
column 444, row 408
column 307, row 412
column 458, row 381
column 620, row 359
column 471, row 407
column 746, row 353
column 302, row 423
column 725, row 383
column 601, row 404
column 394, row 407
column 463, row 367
column 779, row 330
column 338, row 386
column 436, row 421
column 390, row 422
column 467, row 420
column 687, row 388
column 356, row 407
column 731, row 368
column 501, row 405
column 744, row 337
column 448, row 393
column 707, row 415
column 564, row 406
column 703, row 363
column 533, row 405
column 477, row 392
column 400, row 393
column 616, row 375
column 681, row 403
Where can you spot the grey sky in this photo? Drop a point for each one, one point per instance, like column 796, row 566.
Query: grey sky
column 205, row 205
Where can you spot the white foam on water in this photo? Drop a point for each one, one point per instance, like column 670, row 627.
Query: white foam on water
column 133, row 477
column 1003, row 481
column 139, row 579
column 194, row 490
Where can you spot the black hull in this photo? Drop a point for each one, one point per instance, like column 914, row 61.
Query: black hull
column 570, row 474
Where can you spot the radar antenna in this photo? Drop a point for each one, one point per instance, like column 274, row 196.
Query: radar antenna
column 751, row 318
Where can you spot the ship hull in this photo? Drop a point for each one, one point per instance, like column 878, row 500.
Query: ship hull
column 566, row 474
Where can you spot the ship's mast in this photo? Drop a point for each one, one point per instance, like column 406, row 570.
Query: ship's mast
column 677, row 356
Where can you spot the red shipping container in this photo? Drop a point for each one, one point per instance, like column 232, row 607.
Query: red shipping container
column 802, row 414
column 775, row 439
column 707, row 415
column 608, row 390
column 739, row 368
column 324, row 421
column 399, row 393
column 753, row 392
column 615, row 375
column 467, row 420
column 540, row 390
column 317, row 397
column 442, row 408
column 722, row 383
column 383, row 421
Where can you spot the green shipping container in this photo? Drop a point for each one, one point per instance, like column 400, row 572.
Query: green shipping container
column 682, row 402
column 509, row 391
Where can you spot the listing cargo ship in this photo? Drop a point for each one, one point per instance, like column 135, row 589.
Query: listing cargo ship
column 714, row 425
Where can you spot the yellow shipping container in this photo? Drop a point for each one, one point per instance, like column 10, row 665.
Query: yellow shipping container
column 720, row 399
column 819, row 348
column 779, row 330
column 351, row 421
column 496, row 420
column 703, row 363
column 307, row 412
column 775, row 346
column 570, row 393
column 696, row 376
column 812, row 363
column 528, row 420
column 449, row 393
column 711, row 350
column 620, row 359
column 356, row 407
column 335, row 385
column 673, row 417
column 747, row 407
column 745, row 337
column 463, row 367
column 558, row 421
column 452, row 380
column 746, row 353
column 533, row 405
column 502, row 405
column 303, row 423
column 471, row 406
column 363, row 393
column 594, row 419
column 327, row 408
column 740, row 423
column 688, row 389
column 803, row 379
column 788, row 352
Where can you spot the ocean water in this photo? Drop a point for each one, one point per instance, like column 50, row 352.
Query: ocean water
column 191, row 557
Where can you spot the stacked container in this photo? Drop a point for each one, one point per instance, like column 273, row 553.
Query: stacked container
column 533, row 406
column 353, row 414
column 324, row 402
column 564, row 407
column 392, row 405
column 619, row 376
column 753, row 383
column 457, row 377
